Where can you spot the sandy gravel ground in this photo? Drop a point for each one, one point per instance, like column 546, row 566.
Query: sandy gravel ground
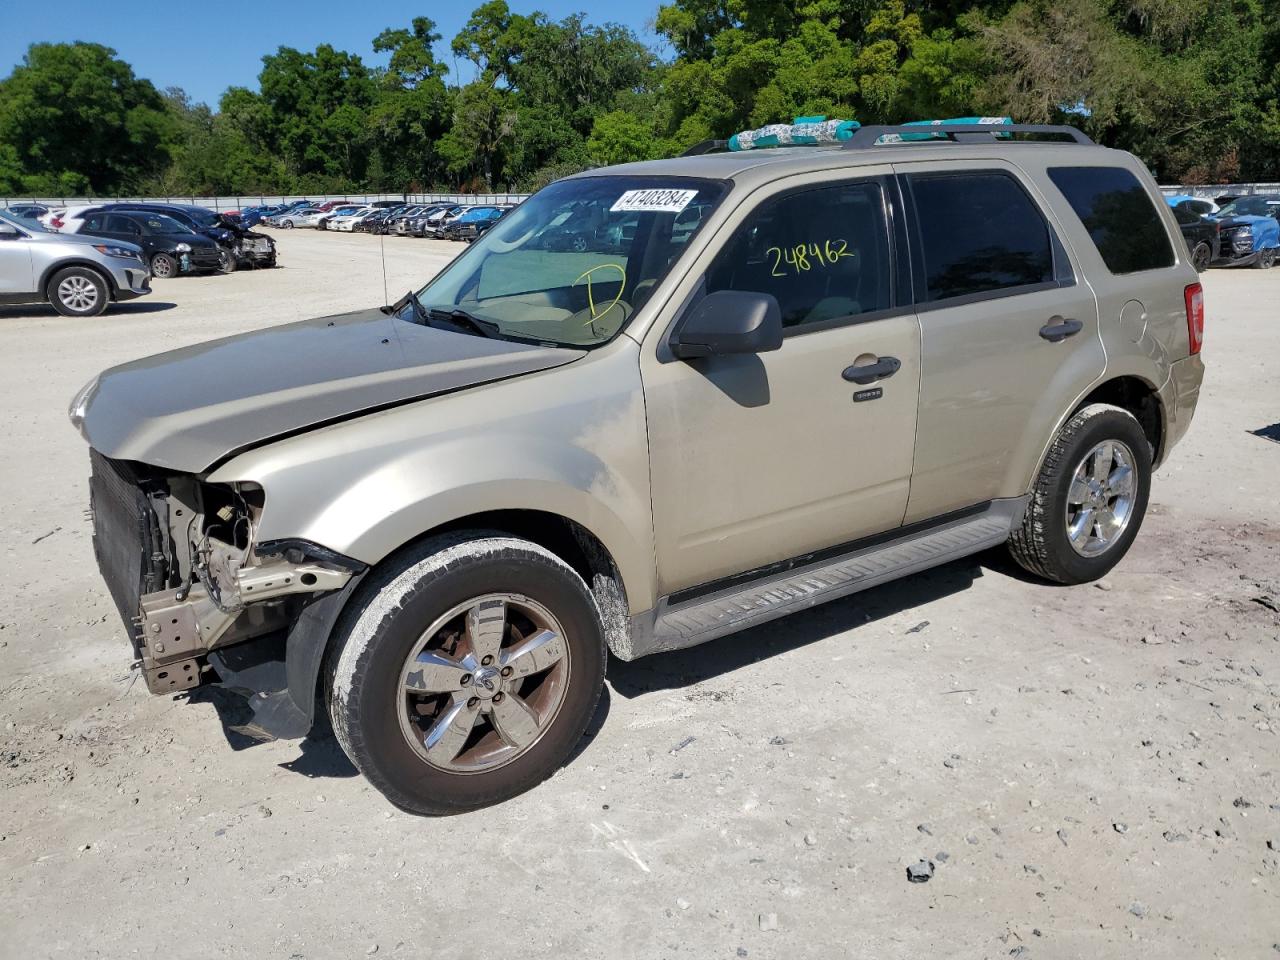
column 1093, row 771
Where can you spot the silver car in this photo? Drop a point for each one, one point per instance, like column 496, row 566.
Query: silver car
column 78, row 275
column 845, row 365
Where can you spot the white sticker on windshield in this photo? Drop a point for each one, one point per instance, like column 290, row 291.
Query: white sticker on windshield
column 653, row 201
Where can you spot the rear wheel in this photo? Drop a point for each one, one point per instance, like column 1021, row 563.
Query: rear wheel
column 1089, row 499
column 164, row 266
column 78, row 292
column 226, row 260
column 1201, row 256
column 467, row 672
column 1266, row 259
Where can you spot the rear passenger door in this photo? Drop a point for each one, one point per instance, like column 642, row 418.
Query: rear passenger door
column 1009, row 332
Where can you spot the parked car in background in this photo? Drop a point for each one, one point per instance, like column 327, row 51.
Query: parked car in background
column 471, row 224
column 344, row 219
column 28, row 211
column 1200, row 205
column 433, row 222
column 1250, row 231
column 328, row 205
column 399, row 222
column 1201, row 233
column 301, row 217
column 331, row 215
column 170, row 247
column 80, row 276
column 59, row 217
column 238, row 246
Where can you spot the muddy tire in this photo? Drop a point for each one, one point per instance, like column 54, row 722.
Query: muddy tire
column 466, row 672
column 1089, row 499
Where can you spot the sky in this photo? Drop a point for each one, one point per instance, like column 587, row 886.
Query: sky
column 206, row 47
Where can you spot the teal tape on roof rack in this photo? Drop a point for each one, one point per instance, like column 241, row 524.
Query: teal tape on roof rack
column 805, row 131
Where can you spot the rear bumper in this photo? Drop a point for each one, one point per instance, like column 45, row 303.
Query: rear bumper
column 1178, row 398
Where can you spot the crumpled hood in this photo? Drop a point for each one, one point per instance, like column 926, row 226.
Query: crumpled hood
column 1266, row 230
column 192, row 408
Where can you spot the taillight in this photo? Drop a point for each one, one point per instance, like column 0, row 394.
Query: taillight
column 1194, row 298
column 56, row 223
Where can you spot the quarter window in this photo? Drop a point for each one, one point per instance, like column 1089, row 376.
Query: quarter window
column 823, row 253
column 979, row 233
column 1119, row 215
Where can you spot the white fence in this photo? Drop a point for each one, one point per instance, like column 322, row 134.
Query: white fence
column 262, row 200
column 1214, row 190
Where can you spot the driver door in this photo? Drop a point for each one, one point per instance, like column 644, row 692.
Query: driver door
column 759, row 459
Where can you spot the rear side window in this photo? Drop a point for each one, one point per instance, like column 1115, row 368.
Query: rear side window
column 979, row 233
column 1119, row 215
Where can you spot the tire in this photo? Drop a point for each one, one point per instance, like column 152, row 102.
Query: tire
column 226, row 260
column 288, row 225
column 1043, row 544
column 1201, row 256
column 163, row 266
column 78, row 292
column 386, row 730
column 1266, row 259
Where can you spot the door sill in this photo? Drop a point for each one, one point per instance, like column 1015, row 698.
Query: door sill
column 695, row 616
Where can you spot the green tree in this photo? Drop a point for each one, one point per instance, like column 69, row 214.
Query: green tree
column 78, row 119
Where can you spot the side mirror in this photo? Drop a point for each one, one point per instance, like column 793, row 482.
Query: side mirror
column 8, row 231
column 730, row 321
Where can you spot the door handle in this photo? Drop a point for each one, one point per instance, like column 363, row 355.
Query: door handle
column 1058, row 329
column 871, row 372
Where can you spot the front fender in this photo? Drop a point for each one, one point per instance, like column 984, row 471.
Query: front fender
column 569, row 441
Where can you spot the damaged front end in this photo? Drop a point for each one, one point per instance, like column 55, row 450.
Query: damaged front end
column 180, row 560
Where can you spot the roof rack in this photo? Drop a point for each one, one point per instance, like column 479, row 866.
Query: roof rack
column 705, row 146
column 865, row 137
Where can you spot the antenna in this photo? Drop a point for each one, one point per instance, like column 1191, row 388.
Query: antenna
column 382, row 248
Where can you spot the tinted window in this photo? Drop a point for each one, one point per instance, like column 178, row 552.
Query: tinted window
column 824, row 254
column 95, row 223
column 979, row 232
column 1184, row 213
column 118, row 224
column 1119, row 215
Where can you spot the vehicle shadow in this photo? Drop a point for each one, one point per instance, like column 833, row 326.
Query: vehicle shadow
column 28, row 310
column 684, row 668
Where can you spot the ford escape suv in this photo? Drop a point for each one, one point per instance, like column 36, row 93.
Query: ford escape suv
column 433, row 520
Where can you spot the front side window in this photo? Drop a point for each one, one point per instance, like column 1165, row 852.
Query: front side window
column 1121, row 218
column 572, row 263
column 979, row 233
column 822, row 253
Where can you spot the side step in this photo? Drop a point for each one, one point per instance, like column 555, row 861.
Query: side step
column 686, row 623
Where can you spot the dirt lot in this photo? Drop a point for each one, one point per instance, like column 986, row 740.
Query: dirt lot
column 1093, row 771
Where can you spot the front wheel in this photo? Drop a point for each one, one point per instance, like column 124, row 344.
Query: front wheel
column 467, row 672
column 226, row 260
column 78, row 292
column 288, row 224
column 1266, row 259
column 164, row 266
column 1089, row 499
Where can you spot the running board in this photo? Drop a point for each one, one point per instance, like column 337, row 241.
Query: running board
column 688, row 622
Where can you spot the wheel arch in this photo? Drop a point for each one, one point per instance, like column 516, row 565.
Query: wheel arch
column 310, row 640
column 51, row 271
column 1129, row 391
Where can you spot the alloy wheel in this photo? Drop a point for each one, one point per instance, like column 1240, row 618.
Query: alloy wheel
column 483, row 683
column 1101, row 498
column 78, row 294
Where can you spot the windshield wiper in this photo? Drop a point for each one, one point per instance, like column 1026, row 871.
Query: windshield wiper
column 468, row 321
column 419, row 311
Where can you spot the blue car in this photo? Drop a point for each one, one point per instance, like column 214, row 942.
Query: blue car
column 1250, row 232
column 473, row 223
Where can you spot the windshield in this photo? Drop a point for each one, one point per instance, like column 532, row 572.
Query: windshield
column 155, row 223
column 205, row 218
column 1252, row 207
column 572, row 263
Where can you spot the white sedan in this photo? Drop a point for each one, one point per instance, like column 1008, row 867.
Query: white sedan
column 347, row 220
